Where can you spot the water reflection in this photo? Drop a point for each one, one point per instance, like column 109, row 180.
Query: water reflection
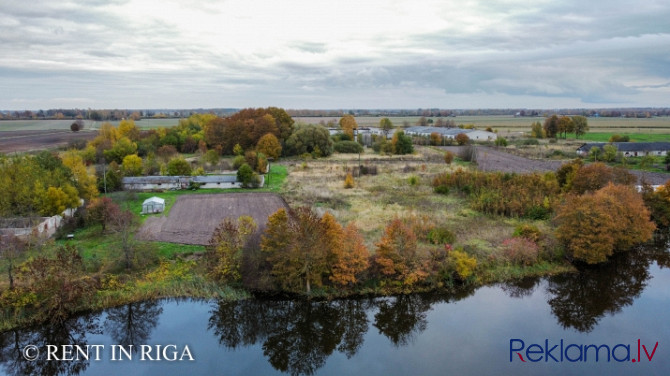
column 73, row 331
column 297, row 337
column 402, row 318
column 131, row 325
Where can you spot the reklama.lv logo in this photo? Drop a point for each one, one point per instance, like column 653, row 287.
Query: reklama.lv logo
column 573, row 352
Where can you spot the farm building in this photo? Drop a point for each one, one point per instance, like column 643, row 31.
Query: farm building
column 217, row 181
column 25, row 227
column 161, row 183
column 473, row 134
column 153, row 205
column 150, row 183
column 630, row 149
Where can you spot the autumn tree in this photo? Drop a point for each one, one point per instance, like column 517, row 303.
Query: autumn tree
column 462, row 139
column 224, row 251
column 536, row 130
column 127, row 128
column 295, row 244
column 132, row 165
column 269, row 145
column 597, row 175
column 348, row 255
column 595, row 225
column 581, row 125
column 658, row 203
column 83, row 176
column 54, row 288
column 123, row 222
column 565, row 126
column 551, row 126
column 124, row 146
column 348, row 125
column 101, row 211
column 396, row 255
column 448, row 157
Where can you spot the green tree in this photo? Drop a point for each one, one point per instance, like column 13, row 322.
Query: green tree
column 238, row 150
column 609, row 153
column 309, row 139
column 565, row 126
column 595, row 152
column 247, row 176
column 178, row 167
column 386, row 126
column 401, row 143
column 124, row 146
column 581, row 125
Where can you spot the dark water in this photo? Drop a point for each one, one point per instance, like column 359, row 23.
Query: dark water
column 464, row 334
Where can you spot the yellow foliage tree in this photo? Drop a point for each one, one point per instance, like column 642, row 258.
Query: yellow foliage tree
column 84, row 177
column 396, row 256
column 132, row 165
column 349, row 181
column 127, row 128
column 348, row 124
column 224, row 252
column 269, row 145
column 351, row 258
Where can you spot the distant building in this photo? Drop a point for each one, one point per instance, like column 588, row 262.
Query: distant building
column 629, row 149
column 473, row 134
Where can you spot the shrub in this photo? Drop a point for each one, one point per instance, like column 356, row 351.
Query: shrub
column 349, row 181
column 528, row 231
column 501, row 141
column 462, row 264
column 521, row 251
column 178, row 166
column 238, row 162
column 441, row 235
column 247, row 177
column 413, row 180
column 448, row 157
column 619, row 138
column 350, row 147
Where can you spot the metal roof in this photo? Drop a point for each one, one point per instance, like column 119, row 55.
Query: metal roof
column 215, row 179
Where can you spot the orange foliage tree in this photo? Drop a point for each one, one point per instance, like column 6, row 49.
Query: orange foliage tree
column 396, row 257
column 305, row 250
column 595, row 225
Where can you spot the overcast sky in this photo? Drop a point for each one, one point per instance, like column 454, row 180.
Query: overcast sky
column 334, row 54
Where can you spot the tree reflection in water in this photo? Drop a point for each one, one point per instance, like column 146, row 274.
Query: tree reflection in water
column 580, row 300
column 401, row 318
column 131, row 325
column 72, row 331
column 297, row 336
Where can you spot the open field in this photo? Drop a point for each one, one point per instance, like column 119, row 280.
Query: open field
column 24, row 141
column 193, row 218
column 43, row 125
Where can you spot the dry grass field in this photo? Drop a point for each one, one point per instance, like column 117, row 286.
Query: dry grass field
column 377, row 199
column 193, row 218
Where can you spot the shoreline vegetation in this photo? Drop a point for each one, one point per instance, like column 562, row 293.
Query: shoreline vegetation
column 397, row 220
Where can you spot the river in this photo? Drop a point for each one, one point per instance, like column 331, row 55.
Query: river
column 534, row 326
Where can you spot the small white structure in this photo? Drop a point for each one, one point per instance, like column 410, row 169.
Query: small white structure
column 153, row 205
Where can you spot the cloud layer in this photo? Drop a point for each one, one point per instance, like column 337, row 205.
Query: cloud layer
column 325, row 54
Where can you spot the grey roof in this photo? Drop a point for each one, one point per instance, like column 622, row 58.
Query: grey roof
column 628, row 146
column 150, row 180
column 215, row 179
column 154, row 199
column 439, row 130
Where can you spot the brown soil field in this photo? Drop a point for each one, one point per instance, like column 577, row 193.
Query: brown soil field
column 23, row 141
column 193, row 218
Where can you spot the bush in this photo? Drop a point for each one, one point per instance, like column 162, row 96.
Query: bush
column 349, row 181
column 238, row 162
column 448, row 157
column 178, row 167
column 441, row 235
column 247, row 177
column 528, row 231
column 619, row 138
column 462, row 139
column 521, row 251
column 501, row 141
column 350, row 147
column 413, row 180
